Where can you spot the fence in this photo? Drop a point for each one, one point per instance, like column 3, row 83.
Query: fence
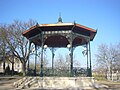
column 60, row 72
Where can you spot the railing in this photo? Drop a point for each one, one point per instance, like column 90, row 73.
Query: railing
column 59, row 72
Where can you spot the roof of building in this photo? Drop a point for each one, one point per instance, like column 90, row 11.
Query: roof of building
column 60, row 26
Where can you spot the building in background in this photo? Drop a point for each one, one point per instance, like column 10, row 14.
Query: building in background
column 8, row 63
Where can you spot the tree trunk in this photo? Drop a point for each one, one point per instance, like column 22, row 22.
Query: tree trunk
column 12, row 67
column 4, row 64
column 24, row 68
column 4, row 67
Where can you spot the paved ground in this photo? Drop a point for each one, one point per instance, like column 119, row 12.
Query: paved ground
column 111, row 85
column 6, row 84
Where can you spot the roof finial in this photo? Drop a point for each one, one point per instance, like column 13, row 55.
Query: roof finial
column 37, row 24
column 60, row 19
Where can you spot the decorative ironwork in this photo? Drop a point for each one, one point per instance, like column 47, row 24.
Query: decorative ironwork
column 60, row 19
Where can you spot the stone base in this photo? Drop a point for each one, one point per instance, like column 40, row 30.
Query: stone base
column 55, row 82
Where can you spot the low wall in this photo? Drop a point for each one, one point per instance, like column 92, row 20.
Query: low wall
column 55, row 82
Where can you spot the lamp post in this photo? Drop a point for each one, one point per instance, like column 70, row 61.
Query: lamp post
column 45, row 47
column 69, row 46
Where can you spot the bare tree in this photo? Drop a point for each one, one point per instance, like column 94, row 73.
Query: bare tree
column 60, row 62
column 64, row 63
column 19, row 45
column 116, row 63
column 107, row 56
column 38, row 62
column 3, row 46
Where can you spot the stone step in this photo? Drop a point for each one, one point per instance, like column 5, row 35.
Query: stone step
column 55, row 82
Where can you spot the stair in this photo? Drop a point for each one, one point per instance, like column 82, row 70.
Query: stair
column 54, row 82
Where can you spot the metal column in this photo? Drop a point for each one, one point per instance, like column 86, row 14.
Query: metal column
column 35, row 59
column 52, row 49
column 90, row 74
column 71, row 56
column 42, row 47
column 29, row 61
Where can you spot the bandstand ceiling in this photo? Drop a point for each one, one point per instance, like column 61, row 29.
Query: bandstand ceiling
column 56, row 39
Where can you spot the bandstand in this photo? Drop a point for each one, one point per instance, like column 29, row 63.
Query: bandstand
column 60, row 34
